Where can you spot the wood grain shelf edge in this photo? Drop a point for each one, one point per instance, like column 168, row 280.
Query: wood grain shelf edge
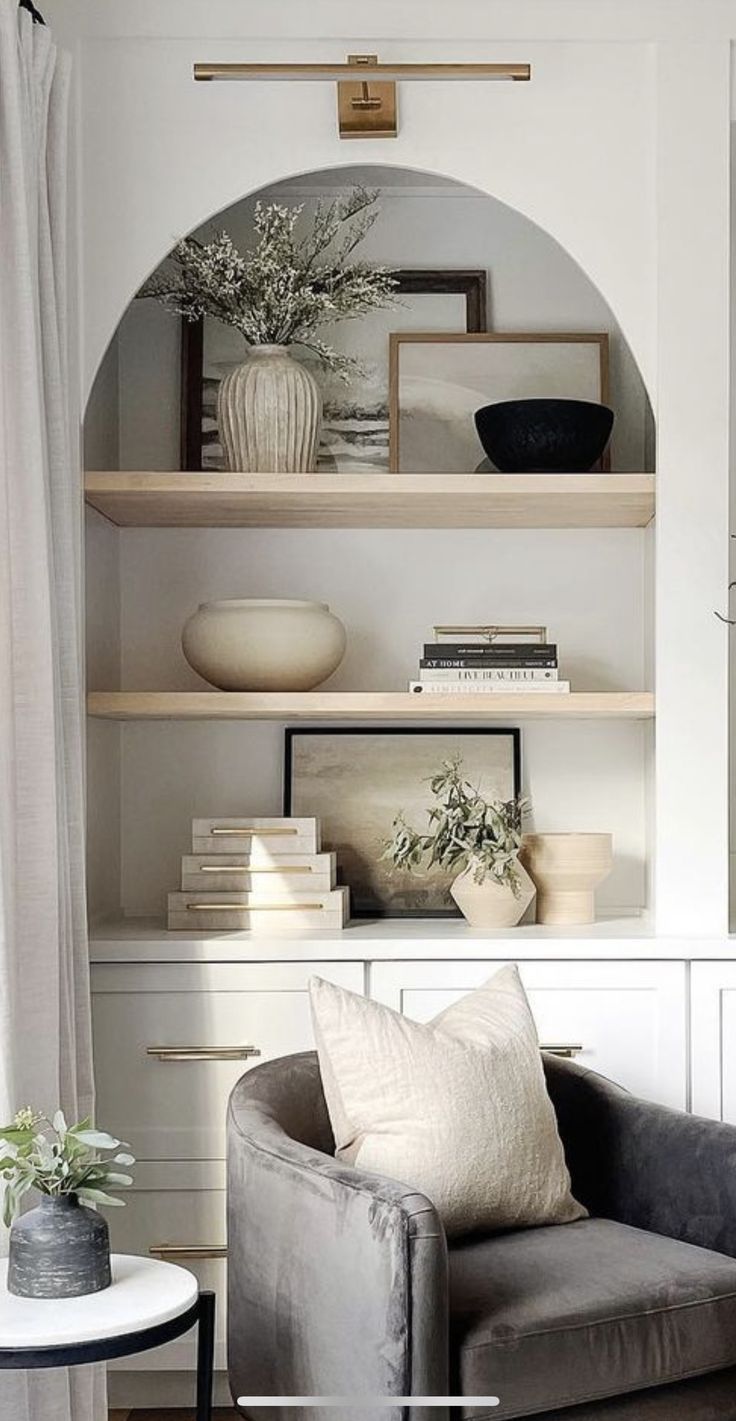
column 366, row 705
column 138, row 499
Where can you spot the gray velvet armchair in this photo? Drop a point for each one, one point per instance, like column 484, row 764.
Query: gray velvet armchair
column 341, row 1283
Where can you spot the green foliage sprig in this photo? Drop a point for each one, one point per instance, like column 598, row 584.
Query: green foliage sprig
column 59, row 1159
column 291, row 282
column 465, row 831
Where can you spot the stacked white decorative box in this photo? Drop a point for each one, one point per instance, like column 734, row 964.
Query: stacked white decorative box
column 262, row 874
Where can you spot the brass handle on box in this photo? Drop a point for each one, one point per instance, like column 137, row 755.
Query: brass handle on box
column 202, row 1053
column 249, row 832
column 248, row 868
column 561, row 1050
column 187, row 1250
column 254, row 907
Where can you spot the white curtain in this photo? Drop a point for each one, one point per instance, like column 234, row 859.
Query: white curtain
column 45, row 1047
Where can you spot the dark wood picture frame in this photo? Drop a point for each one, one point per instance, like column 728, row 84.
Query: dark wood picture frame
column 412, row 281
column 291, row 732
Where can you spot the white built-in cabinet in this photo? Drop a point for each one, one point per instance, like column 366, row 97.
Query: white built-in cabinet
column 146, row 1023
column 713, row 1026
column 177, row 1212
column 163, row 1034
column 627, row 1018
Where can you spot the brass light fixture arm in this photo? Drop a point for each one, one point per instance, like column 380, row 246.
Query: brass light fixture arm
column 366, row 107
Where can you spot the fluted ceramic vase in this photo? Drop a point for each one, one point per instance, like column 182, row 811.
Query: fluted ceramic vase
column 269, row 411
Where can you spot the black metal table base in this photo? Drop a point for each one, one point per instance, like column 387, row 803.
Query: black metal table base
column 201, row 1315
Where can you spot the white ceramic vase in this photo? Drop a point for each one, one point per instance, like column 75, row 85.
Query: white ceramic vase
column 269, row 412
column 567, row 869
column 264, row 645
column 490, row 904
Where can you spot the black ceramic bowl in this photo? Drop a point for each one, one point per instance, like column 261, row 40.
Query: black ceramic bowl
column 544, row 436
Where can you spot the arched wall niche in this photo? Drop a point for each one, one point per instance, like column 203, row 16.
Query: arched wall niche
column 390, row 586
column 427, row 219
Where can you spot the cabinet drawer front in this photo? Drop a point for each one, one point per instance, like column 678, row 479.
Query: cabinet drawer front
column 628, row 1017
column 171, row 1042
column 713, row 1053
column 194, row 1219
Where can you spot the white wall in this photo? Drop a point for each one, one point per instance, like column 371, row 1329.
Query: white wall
column 693, row 455
column 389, row 587
column 618, row 148
column 727, row 606
column 103, row 737
column 578, row 166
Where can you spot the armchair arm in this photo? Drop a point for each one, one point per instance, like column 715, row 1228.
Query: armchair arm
column 337, row 1279
column 644, row 1164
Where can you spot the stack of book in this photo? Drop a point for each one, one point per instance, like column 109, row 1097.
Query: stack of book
column 489, row 659
column 266, row 875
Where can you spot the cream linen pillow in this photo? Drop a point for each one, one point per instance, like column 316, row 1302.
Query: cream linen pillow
column 457, row 1109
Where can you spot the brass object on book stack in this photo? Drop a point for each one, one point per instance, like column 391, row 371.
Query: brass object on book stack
column 492, row 633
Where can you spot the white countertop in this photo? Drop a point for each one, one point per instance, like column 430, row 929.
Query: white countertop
column 400, row 939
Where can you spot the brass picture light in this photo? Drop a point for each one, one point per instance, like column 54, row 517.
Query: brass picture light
column 366, row 90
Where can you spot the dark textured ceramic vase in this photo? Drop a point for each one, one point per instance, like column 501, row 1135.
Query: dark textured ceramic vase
column 544, row 436
column 61, row 1249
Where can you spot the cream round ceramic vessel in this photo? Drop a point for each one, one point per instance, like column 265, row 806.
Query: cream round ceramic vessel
column 264, row 645
column 567, row 869
column 489, row 904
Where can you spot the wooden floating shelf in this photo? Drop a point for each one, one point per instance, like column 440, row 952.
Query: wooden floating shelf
column 220, row 500
column 368, row 705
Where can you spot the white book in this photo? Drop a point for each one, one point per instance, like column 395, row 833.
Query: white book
column 508, row 674
column 489, row 688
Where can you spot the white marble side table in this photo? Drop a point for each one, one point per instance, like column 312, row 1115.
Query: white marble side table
column 148, row 1303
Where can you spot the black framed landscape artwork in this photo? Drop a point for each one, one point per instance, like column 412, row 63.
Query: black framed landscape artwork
column 357, row 780
column 355, row 427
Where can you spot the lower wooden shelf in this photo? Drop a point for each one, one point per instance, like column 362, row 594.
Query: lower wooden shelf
column 368, row 705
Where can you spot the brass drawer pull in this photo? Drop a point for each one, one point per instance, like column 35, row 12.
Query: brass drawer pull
column 255, row 907
column 202, row 1053
column 187, row 1250
column 250, row 833
column 247, row 868
column 561, row 1050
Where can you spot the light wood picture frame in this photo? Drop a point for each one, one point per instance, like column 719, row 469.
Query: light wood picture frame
column 438, row 379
